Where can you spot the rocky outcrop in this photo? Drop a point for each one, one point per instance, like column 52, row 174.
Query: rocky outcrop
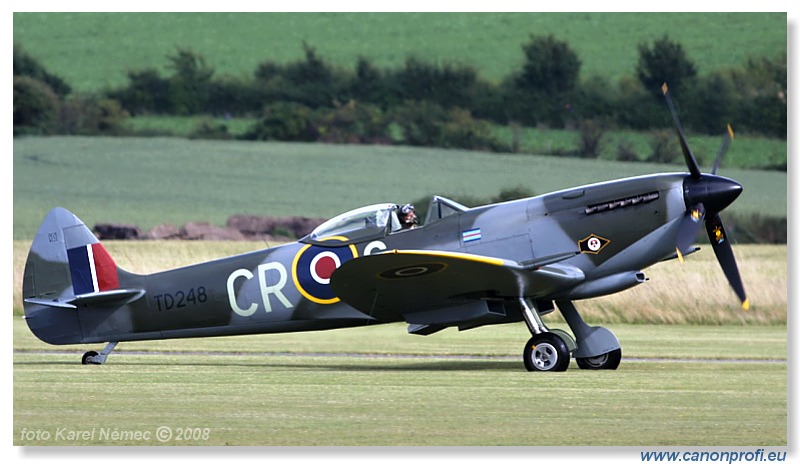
column 257, row 226
column 117, row 231
column 164, row 231
column 206, row 231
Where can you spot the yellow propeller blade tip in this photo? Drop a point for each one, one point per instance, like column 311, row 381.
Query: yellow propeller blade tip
column 664, row 88
column 746, row 304
column 730, row 131
column 680, row 255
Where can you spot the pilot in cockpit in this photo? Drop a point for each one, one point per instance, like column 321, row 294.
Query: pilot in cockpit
column 408, row 216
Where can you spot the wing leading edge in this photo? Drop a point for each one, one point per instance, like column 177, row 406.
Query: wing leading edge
column 410, row 284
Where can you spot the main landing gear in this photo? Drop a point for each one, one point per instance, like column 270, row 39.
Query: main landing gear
column 549, row 350
column 93, row 357
column 546, row 352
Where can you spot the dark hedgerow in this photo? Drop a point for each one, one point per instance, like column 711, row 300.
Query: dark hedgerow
column 546, row 90
column 36, row 107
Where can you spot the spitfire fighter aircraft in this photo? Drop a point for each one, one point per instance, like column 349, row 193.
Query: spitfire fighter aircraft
column 463, row 267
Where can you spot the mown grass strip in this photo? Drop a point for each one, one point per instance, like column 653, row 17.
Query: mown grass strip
column 343, row 401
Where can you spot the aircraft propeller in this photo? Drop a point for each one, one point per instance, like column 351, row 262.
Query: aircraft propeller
column 706, row 195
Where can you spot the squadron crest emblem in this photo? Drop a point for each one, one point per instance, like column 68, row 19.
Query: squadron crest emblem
column 593, row 244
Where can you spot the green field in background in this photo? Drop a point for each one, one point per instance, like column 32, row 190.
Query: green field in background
column 151, row 181
column 95, row 50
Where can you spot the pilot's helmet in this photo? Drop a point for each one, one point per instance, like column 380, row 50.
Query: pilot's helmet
column 407, row 208
column 404, row 212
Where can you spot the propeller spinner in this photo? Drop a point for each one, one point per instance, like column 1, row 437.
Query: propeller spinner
column 706, row 195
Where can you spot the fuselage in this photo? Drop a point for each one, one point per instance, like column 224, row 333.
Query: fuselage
column 604, row 229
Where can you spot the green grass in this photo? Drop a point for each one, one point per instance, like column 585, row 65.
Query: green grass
column 347, row 400
column 151, row 181
column 327, row 401
column 95, row 50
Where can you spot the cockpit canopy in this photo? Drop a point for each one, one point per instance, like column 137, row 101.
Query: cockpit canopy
column 373, row 222
column 360, row 224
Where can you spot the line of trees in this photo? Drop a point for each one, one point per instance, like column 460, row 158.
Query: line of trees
column 419, row 102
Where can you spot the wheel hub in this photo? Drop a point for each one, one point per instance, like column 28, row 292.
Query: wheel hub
column 545, row 356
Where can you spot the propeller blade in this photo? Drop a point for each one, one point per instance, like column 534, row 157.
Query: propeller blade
column 688, row 229
column 691, row 162
column 726, row 140
column 724, row 253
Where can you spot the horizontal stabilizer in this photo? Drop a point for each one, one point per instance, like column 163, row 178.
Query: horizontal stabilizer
column 117, row 296
column 108, row 297
column 51, row 303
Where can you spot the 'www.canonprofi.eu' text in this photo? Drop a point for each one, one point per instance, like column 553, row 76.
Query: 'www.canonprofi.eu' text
column 724, row 456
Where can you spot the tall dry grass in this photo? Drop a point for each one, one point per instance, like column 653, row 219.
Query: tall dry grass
column 695, row 292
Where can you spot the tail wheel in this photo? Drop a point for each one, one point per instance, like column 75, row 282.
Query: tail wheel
column 609, row 360
column 546, row 352
column 88, row 357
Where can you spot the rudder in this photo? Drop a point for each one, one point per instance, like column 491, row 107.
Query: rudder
column 67, row 267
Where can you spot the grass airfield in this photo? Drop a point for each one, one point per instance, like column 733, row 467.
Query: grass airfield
column 678, row 385
column 718, row 380
column 378, row 386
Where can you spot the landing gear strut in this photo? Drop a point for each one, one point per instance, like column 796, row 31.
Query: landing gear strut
column 546, row 351
column 598, row 348
column 594, row 348
column 93, row 357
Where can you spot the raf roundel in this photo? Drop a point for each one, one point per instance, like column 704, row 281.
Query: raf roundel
column 412, row 270
column 313, row 267
column 322, row 266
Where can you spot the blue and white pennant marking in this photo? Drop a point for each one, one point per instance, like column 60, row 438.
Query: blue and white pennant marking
column 471, row 236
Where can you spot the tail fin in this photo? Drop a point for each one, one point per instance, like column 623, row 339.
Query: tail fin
column 68, row 267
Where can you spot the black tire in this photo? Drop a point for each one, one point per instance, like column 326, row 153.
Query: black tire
column 607, row 361
column 87, row 355
column 546, row 352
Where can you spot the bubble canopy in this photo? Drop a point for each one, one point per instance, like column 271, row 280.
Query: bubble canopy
column 368, row 221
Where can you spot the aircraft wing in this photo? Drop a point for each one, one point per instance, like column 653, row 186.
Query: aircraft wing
column 398, row 283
